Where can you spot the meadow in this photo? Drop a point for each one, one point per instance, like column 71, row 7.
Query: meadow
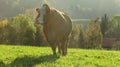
column 31, row 56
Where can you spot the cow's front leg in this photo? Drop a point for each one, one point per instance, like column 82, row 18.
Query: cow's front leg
column 54, row 50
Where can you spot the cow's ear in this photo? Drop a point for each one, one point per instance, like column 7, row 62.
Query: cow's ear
column 37, row 10
column 47, row 8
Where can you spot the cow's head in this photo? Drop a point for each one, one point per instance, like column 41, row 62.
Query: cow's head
column 42, row 11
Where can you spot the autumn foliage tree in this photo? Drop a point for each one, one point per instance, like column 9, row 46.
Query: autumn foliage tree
column 3, row 32
column 93, row 36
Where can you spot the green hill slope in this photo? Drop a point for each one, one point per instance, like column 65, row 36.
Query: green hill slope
column 28, row 56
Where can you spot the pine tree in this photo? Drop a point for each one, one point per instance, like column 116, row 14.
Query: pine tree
column 104, row 25
column 81, row 39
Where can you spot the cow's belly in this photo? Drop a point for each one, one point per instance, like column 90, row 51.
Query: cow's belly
column 55, row 34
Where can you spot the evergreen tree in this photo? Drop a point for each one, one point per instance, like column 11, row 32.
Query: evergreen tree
column 104, row 25
column 81, row 39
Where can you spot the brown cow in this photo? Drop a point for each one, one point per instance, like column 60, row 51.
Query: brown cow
column 57, row 27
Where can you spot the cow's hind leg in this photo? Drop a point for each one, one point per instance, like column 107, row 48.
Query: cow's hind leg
column 64, row 46
column 64, row 51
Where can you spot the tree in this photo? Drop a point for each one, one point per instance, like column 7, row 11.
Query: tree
column 11, row 34
column 40, row 38
column 74, row 39
column 116, row 20
column 24, row 29
column 93, row 36
column 81, row 39
column 104, row 25
column 3, row 32
column 115, row 27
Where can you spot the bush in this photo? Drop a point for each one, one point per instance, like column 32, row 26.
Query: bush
column 116, row 46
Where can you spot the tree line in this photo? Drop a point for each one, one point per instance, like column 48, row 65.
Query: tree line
column 21, row 30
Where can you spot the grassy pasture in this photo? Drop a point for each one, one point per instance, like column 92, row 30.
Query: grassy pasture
column 29, row 56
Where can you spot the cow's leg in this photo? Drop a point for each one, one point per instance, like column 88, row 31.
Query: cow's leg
column 59, row 48
column 63, row 48
column 66, row 45
column 54, row 49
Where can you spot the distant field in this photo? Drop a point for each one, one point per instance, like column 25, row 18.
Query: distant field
column 28, row 56
column 83, row 22
column 81, row 19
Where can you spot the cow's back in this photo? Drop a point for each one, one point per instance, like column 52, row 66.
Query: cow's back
column 57, row 26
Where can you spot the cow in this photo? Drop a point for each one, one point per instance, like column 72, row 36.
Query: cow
column 57, row 27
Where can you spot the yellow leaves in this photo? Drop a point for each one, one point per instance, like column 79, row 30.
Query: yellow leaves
column 3, row 23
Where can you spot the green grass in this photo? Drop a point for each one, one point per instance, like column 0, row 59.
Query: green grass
column 28, row 56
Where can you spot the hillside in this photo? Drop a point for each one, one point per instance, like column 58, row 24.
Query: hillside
column 29, row 56
column 82, row 9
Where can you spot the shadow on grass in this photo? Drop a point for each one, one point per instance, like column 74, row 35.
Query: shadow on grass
column 32, row 61
column 2, row 64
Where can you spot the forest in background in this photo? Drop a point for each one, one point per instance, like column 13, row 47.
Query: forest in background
column 17, row 22
column 21, row 30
